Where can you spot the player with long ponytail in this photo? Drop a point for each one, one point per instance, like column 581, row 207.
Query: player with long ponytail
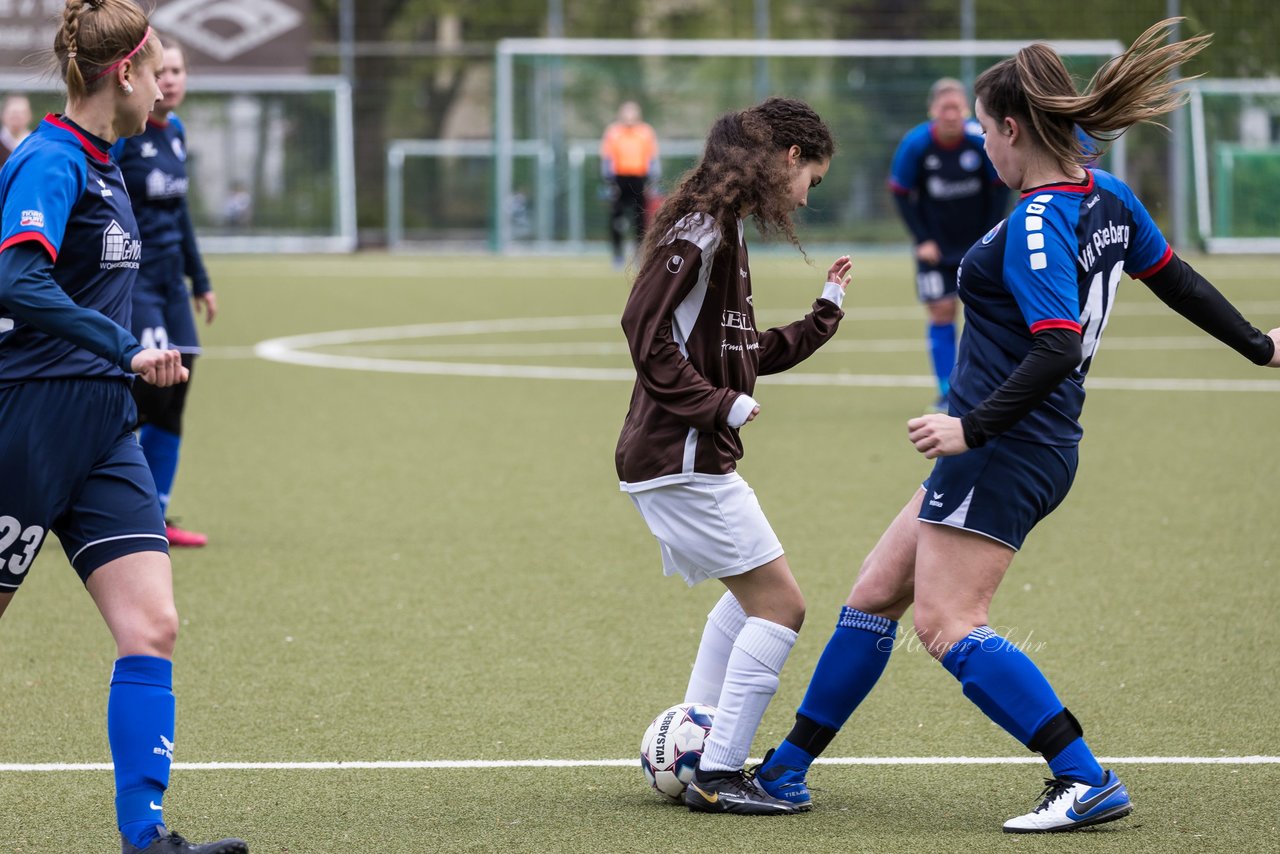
column 1038, row 289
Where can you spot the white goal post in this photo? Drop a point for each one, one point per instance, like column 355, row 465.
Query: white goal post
column 550, row 52
column 285, row 141
column 1225, row 140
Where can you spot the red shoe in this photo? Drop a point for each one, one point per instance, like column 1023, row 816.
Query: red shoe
column 182, row 538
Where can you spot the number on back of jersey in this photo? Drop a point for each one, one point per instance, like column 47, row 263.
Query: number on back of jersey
column 154, row 338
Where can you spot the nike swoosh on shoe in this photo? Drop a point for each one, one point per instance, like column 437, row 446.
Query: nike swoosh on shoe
column 1081, row 808
column 709, row 797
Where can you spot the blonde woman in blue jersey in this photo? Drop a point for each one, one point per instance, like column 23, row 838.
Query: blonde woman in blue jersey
column 69, row 462
column 948, row 195
column 1037, row 290
column 154, row 165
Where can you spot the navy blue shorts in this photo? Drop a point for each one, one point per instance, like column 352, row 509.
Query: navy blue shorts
column 162, row 313
column 1000, row 490
column 935, row 283
column 69, row 463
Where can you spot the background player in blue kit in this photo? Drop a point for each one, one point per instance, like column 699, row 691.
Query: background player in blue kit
column 948, row 194
column 1037, row 290
column 154, row 165
column 69, row 462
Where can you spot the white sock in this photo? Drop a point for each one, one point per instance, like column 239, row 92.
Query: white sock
column 723, row 625
column 750, row 681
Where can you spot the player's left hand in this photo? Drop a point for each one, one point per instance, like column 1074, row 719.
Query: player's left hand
column 1274, row 335
column 210, row 303
column 840, row 272
column 160, row 368
column 937, row 435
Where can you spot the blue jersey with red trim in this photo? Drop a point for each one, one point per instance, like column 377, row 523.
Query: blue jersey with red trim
column 61, row 190
column 154, row 165
column 953, row 188
column 1054, row 263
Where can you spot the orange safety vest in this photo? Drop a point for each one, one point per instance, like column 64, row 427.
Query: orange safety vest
column 631, row 149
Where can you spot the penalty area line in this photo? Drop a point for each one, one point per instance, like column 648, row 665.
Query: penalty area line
column 460, row 764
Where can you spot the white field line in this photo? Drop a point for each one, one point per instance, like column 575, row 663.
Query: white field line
column 229, row 352
column 298, row 350
column 619, row 348
column 449, row 764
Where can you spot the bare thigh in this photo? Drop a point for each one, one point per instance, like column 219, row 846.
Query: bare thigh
column 957, row 575
column 5, row 599
column 134, row 594
column 886, row 582
column 942, row 311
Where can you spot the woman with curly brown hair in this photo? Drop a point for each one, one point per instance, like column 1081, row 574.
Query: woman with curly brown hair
column 690, row 326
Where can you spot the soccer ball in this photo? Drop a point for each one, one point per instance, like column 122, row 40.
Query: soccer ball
column 672, row 745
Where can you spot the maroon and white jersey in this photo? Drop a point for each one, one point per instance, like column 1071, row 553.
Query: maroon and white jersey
column 691, row 329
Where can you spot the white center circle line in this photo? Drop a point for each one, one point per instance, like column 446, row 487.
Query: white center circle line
column 299, row 350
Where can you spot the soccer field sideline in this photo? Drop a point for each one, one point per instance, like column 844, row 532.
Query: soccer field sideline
column 456, row 764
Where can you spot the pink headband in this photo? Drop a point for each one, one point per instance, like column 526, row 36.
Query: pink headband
column 128, row 56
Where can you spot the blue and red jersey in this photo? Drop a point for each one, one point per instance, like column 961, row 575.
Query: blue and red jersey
column 947, row 192
column 1055, row 262
column 154, row 165
column 61, row 191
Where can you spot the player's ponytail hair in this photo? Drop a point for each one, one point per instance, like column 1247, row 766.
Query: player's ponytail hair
column 741, row 171
column 94, row 36
column 1134, row 87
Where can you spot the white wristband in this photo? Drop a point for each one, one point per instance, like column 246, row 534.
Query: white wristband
column 741, row 410
column 831, row 292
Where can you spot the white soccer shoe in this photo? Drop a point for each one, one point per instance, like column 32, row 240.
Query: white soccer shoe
column 1070, row 805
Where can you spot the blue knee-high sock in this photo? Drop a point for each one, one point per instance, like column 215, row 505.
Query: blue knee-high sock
column 848, row 669
column 1008, row 687
column 160, row 447
column 140, row 713
column 942, row 348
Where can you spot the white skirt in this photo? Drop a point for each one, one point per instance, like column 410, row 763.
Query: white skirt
column 708, row 529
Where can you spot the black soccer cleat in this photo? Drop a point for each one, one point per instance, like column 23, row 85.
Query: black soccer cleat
column 169, row 842
column 735, row 792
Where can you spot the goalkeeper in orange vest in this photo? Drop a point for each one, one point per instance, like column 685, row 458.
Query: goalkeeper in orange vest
column 628, row 161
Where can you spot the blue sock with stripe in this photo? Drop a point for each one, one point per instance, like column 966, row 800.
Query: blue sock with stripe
column 160, row 447
column 1009, row 688
column 140, row 720
column 942, row 349
column 848, row 669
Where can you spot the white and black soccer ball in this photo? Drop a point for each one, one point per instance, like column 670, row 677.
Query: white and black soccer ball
column 672, row 745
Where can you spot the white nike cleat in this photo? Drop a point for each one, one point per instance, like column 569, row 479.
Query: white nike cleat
column 1069, row 805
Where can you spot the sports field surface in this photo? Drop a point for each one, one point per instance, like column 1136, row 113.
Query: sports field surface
column 425, row 599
